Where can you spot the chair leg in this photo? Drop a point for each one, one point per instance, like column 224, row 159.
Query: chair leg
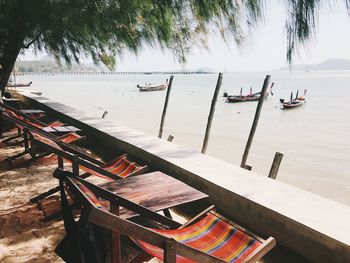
column 42, row 196
column 7, row 140
column 36, row 157
column 10, row 159
column 170, row 251
column 115, row 238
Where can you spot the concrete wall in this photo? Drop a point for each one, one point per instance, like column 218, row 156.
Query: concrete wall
column 312, row 226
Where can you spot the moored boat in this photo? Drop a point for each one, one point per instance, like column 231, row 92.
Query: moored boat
column 18, row 85
column 152, row 87
column 250, row 97
column 293, row 103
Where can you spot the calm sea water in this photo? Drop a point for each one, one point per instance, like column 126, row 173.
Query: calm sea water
column 314, row 138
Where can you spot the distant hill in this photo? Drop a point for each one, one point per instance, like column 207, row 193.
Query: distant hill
column 49, row 66
column 329, row 64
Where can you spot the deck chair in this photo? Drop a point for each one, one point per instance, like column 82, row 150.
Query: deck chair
column 11, row 114
column 208, row 237
column 68, row 138
column 118, row 168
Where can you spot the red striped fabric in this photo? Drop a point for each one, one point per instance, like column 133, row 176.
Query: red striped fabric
column 46, row 141
column 70, row 137
column 212, row 236
column 93, row 198
column 37, row 125
column 122, row 167
column 55, row 124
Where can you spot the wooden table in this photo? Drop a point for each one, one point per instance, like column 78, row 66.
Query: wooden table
column 156, row 191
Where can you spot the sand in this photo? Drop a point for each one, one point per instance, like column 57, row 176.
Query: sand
column 25, row 235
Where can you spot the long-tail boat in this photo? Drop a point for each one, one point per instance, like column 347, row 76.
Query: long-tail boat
column 152, row 87
column 250, row 97
column 294, row 103
column 18, row 85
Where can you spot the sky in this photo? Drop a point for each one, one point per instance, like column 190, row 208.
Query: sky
column 264, row 50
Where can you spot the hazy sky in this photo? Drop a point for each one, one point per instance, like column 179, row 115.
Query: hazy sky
column 266, row 50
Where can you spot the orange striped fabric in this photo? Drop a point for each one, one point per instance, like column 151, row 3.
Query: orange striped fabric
column 121, row 167
column 93, row 198
column 37, row 125
column 210, row 235
column 46, row 141
column 70, row 137
column 55, row 124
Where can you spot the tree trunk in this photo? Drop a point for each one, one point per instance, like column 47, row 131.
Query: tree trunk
column 7, row 62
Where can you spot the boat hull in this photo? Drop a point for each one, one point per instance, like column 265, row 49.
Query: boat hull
column 151, row 88
column 237, row 98
column 19, row 85
column 289, row 105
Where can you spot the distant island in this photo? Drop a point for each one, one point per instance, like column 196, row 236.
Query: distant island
column 329, row 64
column 49, row 66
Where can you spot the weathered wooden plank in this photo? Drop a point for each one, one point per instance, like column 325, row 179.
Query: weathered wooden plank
column 156, row 191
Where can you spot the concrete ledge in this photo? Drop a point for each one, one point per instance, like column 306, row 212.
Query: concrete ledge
column 314, row 227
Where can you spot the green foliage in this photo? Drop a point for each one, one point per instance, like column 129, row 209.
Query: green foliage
column 101, row 29
column 301, row 23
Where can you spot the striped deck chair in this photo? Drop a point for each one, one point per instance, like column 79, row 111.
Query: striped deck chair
column 213, row 235
column 209, row 237
column 29, row 148
column 115, row 169
column 118, row 168
column 12, row 115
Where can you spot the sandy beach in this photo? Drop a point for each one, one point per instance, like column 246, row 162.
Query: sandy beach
column 25, row 235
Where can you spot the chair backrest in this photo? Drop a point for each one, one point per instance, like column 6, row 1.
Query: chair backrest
column 211, row 235
column 211, row 239
column 12, row 112
column 81, row 160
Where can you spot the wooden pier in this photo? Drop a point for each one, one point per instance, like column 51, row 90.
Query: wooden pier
column 305, row 223
column 95, row 73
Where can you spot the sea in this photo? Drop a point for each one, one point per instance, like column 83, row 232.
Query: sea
column 314, row 138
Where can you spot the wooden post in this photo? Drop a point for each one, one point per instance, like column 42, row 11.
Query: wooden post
column 275, row 165
column 116, row 242
column 165, row 107
column 170, row 251
column 248, row 167
column 170, row 138
column 211, row 114
column 255, row 122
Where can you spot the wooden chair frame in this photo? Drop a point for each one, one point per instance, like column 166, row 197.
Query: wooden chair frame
column 26, row 118
column 76, row 156
column 28, row 147
column 119, row 226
